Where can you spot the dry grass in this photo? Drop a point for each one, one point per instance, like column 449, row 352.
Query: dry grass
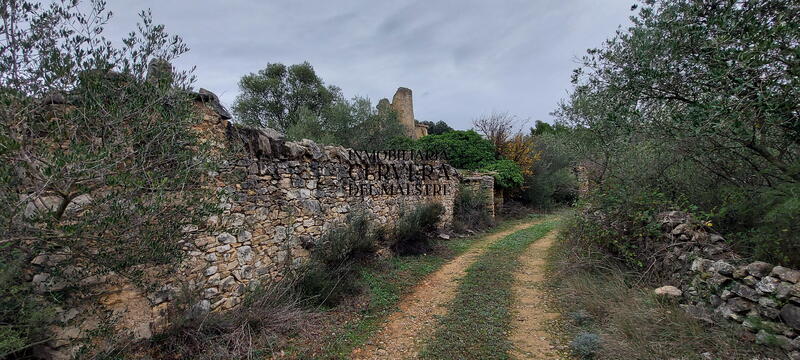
column 599, row 296
column 256, row 330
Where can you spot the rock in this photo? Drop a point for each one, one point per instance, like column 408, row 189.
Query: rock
column 790, row 314
column 698, row 312
column 211, row 270
column 740, row 305
column 226, row 238
column 786, row 274
column 723, row 268
column 794, row 355
column 767, row 285
column 740, row 272
column 717, row 281
column 750, row 280
column 212, row 99
column 783, row 290
column 745, row 292
column 668, row 291
column 245, row 235
column 795, row 344
column 701, row 265
column 244, row 255
column 765, row 338
column 759, row 268
column 444, row 236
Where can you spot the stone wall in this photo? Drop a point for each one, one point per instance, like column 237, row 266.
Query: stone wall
column 716, row 286
column 277, row 199
column 481, row 183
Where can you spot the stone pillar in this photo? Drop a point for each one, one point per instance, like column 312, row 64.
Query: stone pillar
column 403, row 105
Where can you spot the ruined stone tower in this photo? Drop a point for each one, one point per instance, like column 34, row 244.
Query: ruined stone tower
column 403, row 105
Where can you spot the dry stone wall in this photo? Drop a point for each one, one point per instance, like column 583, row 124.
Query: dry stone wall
column 718, row 287
column 277, row 199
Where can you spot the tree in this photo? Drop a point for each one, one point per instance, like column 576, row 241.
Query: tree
column 93, row 150
column 464, row 149
column 354, row 124
column 437, row 128
column 498, row 127
column 695, row 105
column 274, row 96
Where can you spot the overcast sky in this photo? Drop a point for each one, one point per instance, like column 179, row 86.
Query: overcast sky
column 461, row 58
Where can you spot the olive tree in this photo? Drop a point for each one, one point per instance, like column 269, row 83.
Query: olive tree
column 98, row 159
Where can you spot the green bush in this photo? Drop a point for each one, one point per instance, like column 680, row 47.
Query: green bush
column 585, row 345
column 470, row 210
column 507, row 173
column 464, row 149
column 332, row 271
column 412, row 235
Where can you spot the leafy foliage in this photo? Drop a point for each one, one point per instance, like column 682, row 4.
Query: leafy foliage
column 332, row 272
column 412, row 235
column 507, row 173
column 277, row 96
column 95, row 141
column 464, row 149
column 470, row 210
column 437, row 128
column 354, row 124
column 691, row 107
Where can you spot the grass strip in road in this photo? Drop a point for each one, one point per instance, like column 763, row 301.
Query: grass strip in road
column 479, row 318
column 386, row 284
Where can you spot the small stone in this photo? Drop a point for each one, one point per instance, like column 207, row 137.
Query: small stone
column 745, row 292
column 226, row 238
column 244, row 254
column 718, row 280
column 211, row 270
column 790, row 314
column 794, row 355
column 701, row 265
column 759, row 268
column 245, row 235
column 795, row 344
column 39, row 260
column 723, row 268
column 223, row 248
column 740, row 305
column 765, row 338
column 212, row 257
column 750, row 280
column 767, row 285
column 668, row 291
column 210, row 293
column 786, row 274
column 740, row 272
column 444, row 236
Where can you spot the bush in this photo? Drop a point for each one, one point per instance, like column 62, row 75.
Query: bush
column 585, row 345
column 507, row 173
column 464, row 149
column 412, row 233
column 332, row 271
column 470, row 210
column 267, row 312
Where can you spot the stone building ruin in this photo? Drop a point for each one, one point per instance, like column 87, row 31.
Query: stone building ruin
column 403, row 105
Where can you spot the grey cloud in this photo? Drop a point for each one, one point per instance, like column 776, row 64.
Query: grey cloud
column 461, row 58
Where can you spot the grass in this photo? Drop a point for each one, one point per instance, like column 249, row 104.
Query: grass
column 388, row 281
column 598, row 296
column 478, row 320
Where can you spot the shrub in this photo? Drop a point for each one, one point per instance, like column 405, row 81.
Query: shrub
column 507, row 174
column 470, row 210
column 464, row 149
column 585, row 345
column 332, row 271
column 267, row 312
column 412, row 233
